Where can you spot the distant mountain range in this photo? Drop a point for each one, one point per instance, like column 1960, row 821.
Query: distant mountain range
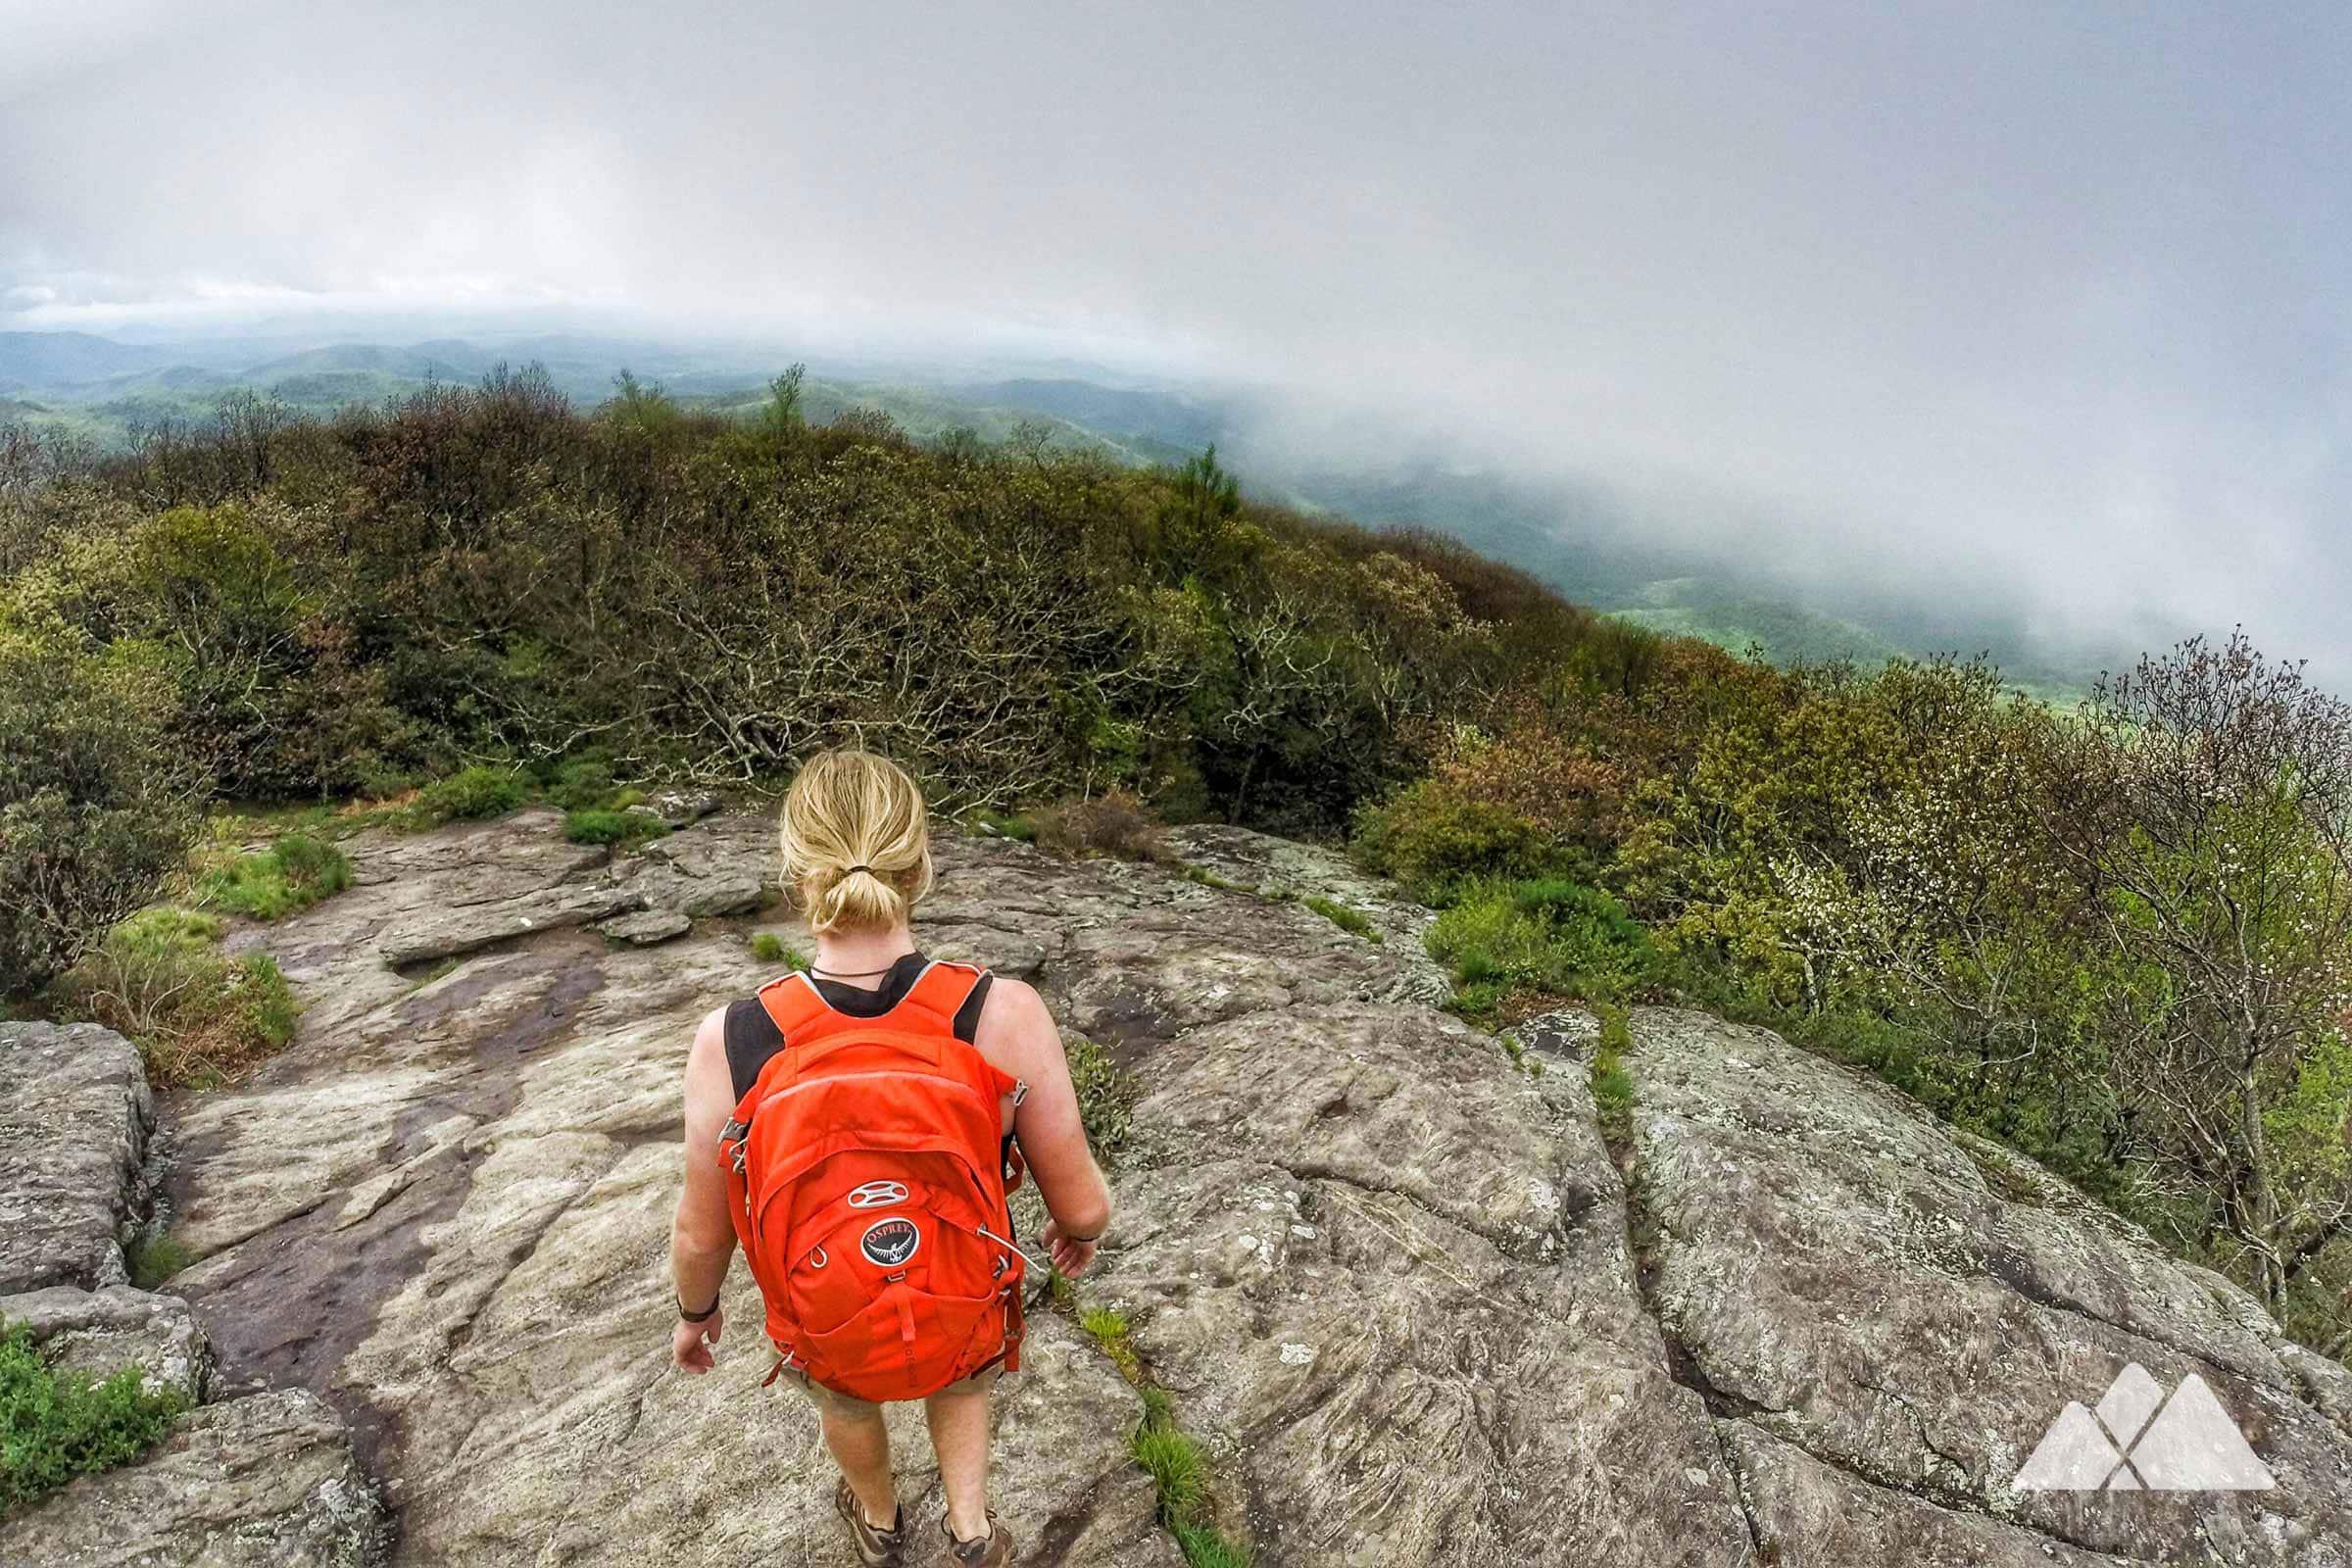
column 103, row 390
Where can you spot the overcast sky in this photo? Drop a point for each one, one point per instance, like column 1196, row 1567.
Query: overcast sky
column 2052, row 295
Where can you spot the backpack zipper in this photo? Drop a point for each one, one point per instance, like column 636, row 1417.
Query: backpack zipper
column 788, row 1089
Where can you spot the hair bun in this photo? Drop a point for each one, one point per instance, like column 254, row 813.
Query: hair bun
column 847, row 812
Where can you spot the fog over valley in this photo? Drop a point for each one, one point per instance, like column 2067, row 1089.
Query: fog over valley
column 1990, row 328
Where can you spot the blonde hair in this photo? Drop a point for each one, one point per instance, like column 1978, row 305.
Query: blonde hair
column 856, row 842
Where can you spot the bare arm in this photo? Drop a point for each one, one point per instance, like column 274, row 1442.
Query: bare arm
column 702, row 1239
column 1016, row 1032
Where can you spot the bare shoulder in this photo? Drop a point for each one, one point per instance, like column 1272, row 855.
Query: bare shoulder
column 1016, row 1031
column 709, row 1080
column 709, row 1037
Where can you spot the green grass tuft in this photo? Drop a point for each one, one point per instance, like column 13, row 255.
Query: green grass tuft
column 769, row 948
column 57, row 1425
column 154, row 1259
column 1007, row 825
column 1109, row 1328
column 293, row 873
column 1349, row 920
column 1159, row 1406
column 1204, row 1548
column 1177, row 1468
column 1106, row 1095
column 1211, row 880
column 1612, row 1085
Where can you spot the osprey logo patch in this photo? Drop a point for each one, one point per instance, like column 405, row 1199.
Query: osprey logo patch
column 890, row 1242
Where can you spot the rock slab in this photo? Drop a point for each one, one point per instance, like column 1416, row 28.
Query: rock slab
column 1397, row 1283
column 75, row 1115
column 268, row 1481
column 1887, row 1315
column 98, row 1332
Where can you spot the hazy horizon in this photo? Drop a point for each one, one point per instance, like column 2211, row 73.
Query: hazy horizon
column 2039, row 310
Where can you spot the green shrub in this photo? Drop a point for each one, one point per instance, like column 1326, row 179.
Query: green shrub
column 769, row 948
column 1550, row 936
column 472, row 793
column 583, row 784
column 1115, row 824
column 195, row 1013
column 619, row 828
column 1106, row 1095
column 96, row 804
column 293, row 873
column 57, row 1425
column 1436, row 843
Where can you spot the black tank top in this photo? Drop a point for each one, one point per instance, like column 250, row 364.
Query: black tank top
column 752, row 1036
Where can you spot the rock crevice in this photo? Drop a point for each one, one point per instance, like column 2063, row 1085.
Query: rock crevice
column 257, row 1478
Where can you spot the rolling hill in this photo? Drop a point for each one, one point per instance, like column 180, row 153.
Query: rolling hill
column 102, row 391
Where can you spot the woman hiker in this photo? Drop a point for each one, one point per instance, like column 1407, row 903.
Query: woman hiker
column 854, row 1129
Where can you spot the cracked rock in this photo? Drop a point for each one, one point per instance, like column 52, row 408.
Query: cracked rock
column 1914, row 1309
column 647, row 927
column 75, row 1115
column 1384, row 1273
column 448, row 933
column 100, row 1332
column 678, row 807
column 268, row 1481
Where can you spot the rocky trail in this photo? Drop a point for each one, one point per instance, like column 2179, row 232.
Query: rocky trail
column 1417, row 1305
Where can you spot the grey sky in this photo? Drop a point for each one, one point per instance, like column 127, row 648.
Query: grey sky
column 2054, row 295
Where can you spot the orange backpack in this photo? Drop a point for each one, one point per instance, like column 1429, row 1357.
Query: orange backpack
column 869, row 1193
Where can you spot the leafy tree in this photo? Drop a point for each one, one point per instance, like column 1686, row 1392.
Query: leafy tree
column 780, row 417
column 2205, row 803
column 95, row 803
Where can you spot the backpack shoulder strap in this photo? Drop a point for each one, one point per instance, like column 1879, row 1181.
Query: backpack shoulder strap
column 937, row 998
column 793, row 1003
column 938, row 994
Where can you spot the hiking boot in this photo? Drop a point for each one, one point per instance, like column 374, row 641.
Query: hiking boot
column 876, row 1548
column 992, row 1550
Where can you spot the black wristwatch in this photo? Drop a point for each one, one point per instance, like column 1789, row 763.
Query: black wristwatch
column 703, row 1316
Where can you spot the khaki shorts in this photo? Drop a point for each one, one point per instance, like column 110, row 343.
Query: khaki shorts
column 821, row 1396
